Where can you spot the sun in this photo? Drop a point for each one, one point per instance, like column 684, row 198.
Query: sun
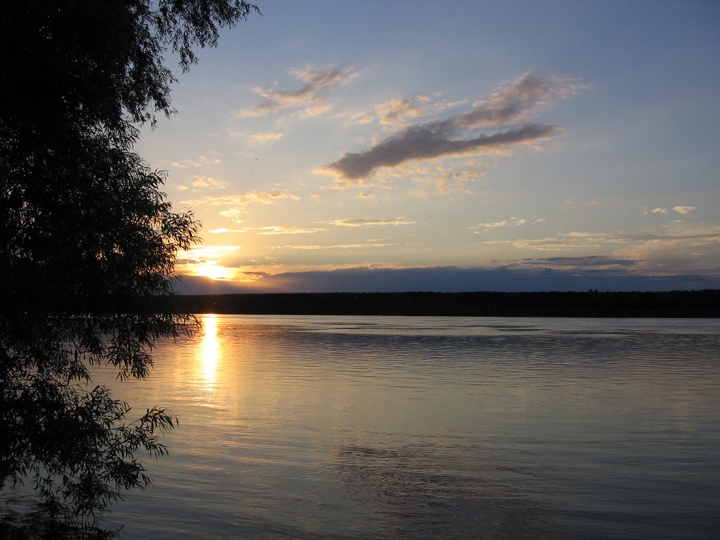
column 214, row 271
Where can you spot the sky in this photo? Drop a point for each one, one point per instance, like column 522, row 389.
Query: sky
column 511, row 145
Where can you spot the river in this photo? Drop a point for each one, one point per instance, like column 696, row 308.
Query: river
column 430, row 427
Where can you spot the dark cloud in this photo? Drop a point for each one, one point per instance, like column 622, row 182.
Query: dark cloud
column 580, row 262
column 190, row 261
column 424, row 143
column 452, row 279
column 205, row 285
column 512, row 104
column 507, row 108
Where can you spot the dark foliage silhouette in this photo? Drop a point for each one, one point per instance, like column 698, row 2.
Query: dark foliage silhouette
column 87, row 239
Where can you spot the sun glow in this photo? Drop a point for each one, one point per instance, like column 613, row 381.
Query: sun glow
column 207, row 261
column 214, row 271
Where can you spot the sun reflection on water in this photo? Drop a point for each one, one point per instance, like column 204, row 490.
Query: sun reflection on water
column 210, row 349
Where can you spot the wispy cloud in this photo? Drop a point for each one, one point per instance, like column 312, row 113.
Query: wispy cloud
column 266, row 137
column 563, row 242
column 208, row 182
column 314, row 85
column 681, row 247
column 360, row 245
column 272, row 230
column 225, row 230
column 574, row 240
column 278, row 229
column 679, row 209
column 446, row 177
column 512, row 222
column 200, row 161
column 238, row 203
column 395, row 111
column 507, row 110
column 458, row 180
column 592, row 261
column 204, row 254
column 361, row 222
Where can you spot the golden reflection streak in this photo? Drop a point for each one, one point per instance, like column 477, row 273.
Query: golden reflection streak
column 210, row 349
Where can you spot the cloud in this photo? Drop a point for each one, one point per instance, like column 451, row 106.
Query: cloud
column 458, row 180
column 360, row 222
column 224, row 230
column 309, row 94
column 678, row 209
column 559, row 243
column 317, row 110
column 512, row 104
column 201, row 161
column 278, row 229
column 266, row 137
column 424, row 143
column 508, row 110
column 569, row 241
column 209, row 251
column 683, row 246
column 395, row 111
column 204, row 255
column 592, row 261
column 208, row 182
column 447, row 177
column 512, row 222
column 189, row 261
column 238, row 203
column 680, row 248
column 267, row 230
column 361, row 118
column 361, row 245
column 234, row 214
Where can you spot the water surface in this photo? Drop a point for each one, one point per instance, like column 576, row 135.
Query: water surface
column 432, row 427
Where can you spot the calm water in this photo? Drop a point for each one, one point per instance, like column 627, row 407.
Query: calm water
column 430, row 427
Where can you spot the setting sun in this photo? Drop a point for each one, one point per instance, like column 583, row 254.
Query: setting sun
column 214, row 271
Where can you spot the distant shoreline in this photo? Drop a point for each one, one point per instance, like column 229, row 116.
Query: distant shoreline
column 672, row 304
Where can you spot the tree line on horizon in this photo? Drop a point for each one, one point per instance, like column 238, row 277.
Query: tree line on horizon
column 702, row 303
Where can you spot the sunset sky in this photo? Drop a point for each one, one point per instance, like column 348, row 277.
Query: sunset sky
column 417, row 145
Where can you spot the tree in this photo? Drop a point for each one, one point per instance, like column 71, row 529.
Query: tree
column 87, row 239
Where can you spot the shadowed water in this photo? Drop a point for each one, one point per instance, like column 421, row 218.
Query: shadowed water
column 394, row 427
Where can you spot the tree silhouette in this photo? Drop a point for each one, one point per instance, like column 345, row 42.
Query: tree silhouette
column 87, row 239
